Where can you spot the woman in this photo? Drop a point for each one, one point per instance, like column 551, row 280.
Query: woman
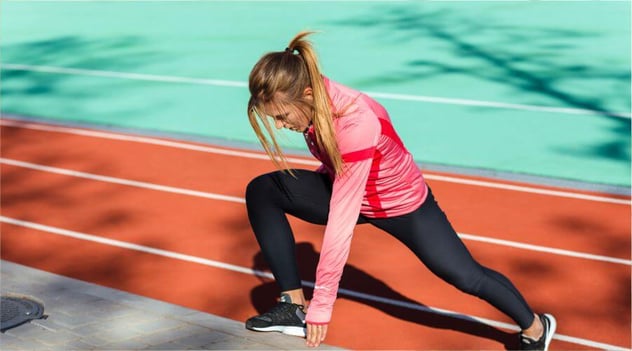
column 366, row 176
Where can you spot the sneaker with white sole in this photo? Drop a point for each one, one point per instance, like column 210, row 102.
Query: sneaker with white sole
column 286, row 317
column 549, row 324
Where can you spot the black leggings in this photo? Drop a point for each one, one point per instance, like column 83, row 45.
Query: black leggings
column 426, row 231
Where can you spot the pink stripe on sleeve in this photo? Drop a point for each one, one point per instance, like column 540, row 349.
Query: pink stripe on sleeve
column 359, row 155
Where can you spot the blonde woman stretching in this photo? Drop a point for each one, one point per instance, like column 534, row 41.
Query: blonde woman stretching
column 366, row 176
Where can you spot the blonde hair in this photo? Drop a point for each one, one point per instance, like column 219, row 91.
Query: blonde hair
column 280, row 78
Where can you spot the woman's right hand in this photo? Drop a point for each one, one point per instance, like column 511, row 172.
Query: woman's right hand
column 316, row 334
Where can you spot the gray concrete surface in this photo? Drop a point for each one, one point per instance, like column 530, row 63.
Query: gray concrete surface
column 85, row 316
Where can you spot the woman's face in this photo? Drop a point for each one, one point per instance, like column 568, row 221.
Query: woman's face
column 289, row 117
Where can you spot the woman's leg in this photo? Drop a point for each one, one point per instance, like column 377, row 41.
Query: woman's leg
column 269, row 198
column 429, row 234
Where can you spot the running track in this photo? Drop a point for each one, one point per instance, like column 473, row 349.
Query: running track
column 166, row 219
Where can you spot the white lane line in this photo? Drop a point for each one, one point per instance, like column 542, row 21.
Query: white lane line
column 298, row 161
column 528, row 189
column 121, row 181
column 245, row 270
column 213, row 196
column 481, row 103
column 143, row 140
column 239, row 84
column 546, row 249
column 123, row 75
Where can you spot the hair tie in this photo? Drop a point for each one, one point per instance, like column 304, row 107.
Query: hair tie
column 291, row 51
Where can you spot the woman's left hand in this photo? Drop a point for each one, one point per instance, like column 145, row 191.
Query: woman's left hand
column 316, row 334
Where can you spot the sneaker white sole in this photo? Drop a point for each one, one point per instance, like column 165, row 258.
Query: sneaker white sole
column 287, row 330
column 551, row 331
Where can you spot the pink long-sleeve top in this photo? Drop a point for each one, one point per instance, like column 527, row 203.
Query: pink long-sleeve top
column 380, row 180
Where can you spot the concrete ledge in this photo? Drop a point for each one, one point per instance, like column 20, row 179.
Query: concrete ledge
column 86, row 316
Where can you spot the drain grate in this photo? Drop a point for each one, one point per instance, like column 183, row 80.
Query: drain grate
column 17, row 310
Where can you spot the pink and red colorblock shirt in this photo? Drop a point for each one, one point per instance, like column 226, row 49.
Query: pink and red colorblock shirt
column 380, row 180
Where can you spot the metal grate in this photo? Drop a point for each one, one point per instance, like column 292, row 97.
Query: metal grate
column 17, row 310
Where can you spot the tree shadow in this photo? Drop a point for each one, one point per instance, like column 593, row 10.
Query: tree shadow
column 534, row 61
column 26, row 196
column 614, row 242
column 264, row 296
column 37, row 72
column 67, row 51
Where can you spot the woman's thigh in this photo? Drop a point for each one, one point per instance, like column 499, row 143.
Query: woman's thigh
column 429, row 234
column 305, row 194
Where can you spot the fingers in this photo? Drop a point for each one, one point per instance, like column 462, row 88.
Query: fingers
column 315, row 334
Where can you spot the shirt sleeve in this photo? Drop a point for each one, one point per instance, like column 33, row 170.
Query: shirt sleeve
column 357, row 140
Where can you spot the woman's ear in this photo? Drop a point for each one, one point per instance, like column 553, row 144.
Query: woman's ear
column 307, row 92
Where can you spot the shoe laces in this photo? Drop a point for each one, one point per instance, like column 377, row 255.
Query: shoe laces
column 282, row 311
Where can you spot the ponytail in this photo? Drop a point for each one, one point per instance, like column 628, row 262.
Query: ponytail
column 289, row 74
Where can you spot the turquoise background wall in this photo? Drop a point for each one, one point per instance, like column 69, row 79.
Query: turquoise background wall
column 534, row 88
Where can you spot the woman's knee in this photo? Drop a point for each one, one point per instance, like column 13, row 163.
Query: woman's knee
column 261, row 187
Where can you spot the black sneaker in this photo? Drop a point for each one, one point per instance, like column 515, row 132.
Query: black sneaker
column 286, row 317
column 549, row 324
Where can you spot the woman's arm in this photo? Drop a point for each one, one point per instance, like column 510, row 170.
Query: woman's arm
column 357, row 140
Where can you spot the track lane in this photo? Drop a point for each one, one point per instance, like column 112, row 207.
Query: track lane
column 138, row 215
column 186, row 225
column 557, row 222
column 146, row 275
